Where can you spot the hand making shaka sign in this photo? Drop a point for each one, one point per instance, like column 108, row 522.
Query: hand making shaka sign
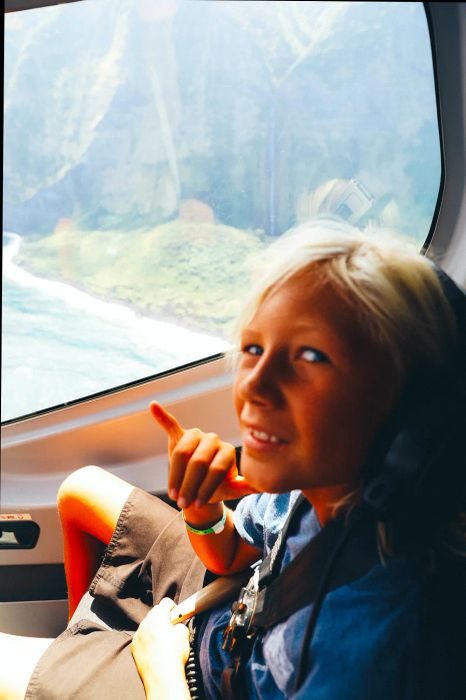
column 202, row 466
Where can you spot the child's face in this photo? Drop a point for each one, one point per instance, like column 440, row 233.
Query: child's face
column 310, row 392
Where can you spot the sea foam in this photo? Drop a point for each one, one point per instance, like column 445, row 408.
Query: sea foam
column 195, row 344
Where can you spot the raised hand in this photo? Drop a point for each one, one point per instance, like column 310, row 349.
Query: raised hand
column 202, row 466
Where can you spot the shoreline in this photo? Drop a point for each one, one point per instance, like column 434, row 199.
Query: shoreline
column 136, row 310
column 23, row 274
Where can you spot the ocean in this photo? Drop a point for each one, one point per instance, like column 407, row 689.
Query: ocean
column 61, row 344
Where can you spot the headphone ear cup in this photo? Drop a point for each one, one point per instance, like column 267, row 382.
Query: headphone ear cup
column 436, row 490
column 421, row 483
column 418, row 464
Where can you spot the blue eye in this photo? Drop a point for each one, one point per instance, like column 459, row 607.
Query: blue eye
column 313, row 355
column 252, row 349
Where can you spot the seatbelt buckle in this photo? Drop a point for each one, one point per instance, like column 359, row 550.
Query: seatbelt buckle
column 239, row 627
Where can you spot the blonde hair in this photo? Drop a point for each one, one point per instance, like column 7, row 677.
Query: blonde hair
column 394, row 291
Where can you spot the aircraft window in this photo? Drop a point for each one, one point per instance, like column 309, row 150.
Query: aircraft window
column 151, row 148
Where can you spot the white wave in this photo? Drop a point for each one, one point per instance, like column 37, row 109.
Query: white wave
column 195, row 344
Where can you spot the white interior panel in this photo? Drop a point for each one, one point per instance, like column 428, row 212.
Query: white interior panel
column 116, row 432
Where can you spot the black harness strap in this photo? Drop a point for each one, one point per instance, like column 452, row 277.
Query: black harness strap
column 299, row 582
column 269, row 567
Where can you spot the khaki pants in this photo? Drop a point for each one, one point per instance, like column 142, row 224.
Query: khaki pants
column 148, row 558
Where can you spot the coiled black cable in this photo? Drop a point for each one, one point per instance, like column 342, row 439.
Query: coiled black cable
column 192, row 669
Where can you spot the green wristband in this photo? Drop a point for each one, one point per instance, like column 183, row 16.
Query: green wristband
column 214, row 529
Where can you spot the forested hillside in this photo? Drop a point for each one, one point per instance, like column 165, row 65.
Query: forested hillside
column 148, row 120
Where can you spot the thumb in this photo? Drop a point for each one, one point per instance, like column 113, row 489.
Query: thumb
column 236, row 487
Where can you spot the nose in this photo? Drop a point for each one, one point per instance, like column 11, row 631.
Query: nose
column 261, row 384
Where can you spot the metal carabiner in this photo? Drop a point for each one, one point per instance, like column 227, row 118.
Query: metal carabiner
column 239, row 627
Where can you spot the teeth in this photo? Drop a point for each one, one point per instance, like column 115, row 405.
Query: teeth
column 265, row 437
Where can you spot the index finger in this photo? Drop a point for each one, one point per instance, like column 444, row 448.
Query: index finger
column 167, row 421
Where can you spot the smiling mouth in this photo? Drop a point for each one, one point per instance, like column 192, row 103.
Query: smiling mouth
column 262, row 442
column 262, row 436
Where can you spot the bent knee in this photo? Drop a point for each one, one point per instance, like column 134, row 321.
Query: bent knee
column 91, row 499
column 78, row 484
